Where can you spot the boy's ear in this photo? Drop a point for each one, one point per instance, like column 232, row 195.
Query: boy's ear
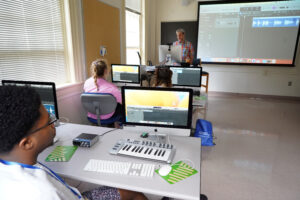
column 26, row 143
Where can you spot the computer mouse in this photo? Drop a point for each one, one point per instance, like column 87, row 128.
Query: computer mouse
column 165, row 170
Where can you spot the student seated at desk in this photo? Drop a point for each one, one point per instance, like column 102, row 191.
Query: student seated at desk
column 163, row 77
column 26, row 129
column 98, row 84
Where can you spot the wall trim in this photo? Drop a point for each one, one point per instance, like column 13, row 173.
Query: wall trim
column 248, row 95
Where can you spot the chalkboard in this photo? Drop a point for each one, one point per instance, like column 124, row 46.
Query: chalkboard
column 168, row 32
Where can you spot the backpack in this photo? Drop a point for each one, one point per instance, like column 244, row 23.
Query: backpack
column 205, row 132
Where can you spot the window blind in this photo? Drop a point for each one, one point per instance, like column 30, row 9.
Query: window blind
column 32, row 41
column 134, row 5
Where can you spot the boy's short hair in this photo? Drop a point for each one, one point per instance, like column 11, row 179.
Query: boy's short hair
column 19, row 111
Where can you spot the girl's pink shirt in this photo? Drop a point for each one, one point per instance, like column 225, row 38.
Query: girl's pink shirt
column 104, row 87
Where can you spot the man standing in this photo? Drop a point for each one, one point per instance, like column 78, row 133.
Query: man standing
column 187, row 50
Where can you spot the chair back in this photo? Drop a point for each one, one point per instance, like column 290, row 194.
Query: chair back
column 98, row 104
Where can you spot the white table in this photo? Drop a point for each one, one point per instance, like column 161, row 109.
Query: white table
column 187, row 149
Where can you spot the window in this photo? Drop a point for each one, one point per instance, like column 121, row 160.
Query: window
column 32, row 41
column 134, row 27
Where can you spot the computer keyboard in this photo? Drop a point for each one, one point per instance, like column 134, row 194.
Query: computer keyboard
column 120, row 168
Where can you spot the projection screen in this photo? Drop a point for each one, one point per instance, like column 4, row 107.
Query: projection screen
column 255, row 33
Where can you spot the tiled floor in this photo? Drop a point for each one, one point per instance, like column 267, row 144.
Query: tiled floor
column 257, row 151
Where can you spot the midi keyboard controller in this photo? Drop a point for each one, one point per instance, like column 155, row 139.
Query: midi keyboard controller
column 145, row 149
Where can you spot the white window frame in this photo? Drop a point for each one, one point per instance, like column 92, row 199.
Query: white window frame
column 141, row 31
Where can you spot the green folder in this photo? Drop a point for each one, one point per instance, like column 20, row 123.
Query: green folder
column 61, row 154
column 180, row 171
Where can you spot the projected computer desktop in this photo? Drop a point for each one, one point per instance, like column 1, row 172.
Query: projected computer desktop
column 46, row 91
column 125, row 74
column 158, row 111
column 248, row 32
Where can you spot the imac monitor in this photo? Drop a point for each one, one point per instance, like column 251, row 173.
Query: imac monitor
column 158, row 108
column 125, row 73
column 169, row 54
column 46, row 91
column 186, row 76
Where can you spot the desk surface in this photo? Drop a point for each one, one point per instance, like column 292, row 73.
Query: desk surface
column 187, row 149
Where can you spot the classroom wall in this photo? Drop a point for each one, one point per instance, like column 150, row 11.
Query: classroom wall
column 101, row 27
column 224, row 78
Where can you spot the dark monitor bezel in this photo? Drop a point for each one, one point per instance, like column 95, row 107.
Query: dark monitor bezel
column 190, row 108
column 139, row 74
column 52, row 84
column 188, row 68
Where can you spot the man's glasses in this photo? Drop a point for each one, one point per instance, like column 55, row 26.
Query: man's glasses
column 51, row 121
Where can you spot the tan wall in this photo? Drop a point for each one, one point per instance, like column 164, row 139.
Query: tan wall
column 101, row 27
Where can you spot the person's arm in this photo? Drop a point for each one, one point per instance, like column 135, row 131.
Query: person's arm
column 117, row 94
column 192, row 52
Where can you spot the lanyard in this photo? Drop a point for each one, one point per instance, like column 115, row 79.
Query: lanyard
column 53, row 174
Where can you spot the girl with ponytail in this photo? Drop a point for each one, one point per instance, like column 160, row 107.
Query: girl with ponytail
column 98, row 84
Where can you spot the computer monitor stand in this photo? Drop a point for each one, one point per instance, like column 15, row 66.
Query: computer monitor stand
column 159, row 131
column 160, row 138
column 196, row 90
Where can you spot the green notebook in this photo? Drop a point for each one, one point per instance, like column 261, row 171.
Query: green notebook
column 180, row 171
column 61, row 154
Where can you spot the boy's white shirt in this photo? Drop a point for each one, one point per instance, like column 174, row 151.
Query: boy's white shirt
column 17, row 182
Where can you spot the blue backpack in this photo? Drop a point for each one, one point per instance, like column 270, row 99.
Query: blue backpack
column 205, row 132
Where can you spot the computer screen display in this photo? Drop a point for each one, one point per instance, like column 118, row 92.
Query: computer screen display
column 125, row 73
column 169, row 54
column 46, row 90
column 162, row 107
column 248, row 32
column 186, row 76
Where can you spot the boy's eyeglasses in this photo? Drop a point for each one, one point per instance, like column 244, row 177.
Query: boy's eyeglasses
column 52, row 121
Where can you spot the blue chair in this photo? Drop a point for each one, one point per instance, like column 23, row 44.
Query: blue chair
column 100, row 104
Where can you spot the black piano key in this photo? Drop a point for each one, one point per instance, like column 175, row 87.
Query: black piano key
column 128, row 147
column 163, row 153
column 150, row 151
column 159, row 152
column 134, row 148
column 137, row 149
column 156, row 152
column 125, row 147
column 146, row 151
column 141, row 149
